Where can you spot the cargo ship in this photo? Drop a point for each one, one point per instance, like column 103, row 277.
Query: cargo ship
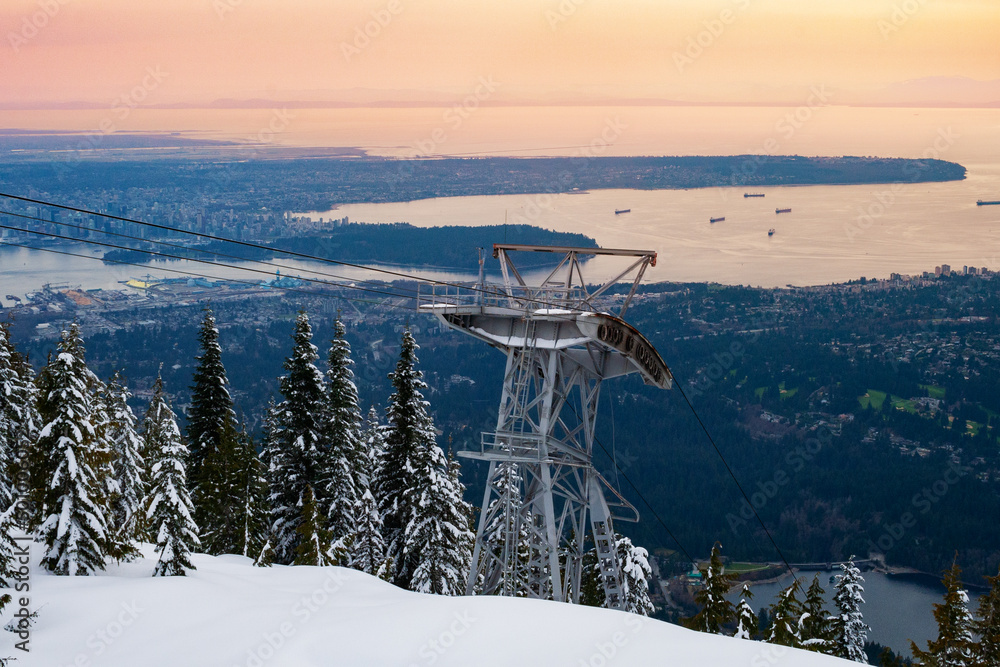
column 619, row 211
column 782, row 210
column 752, row 194
column 716, row 219
column 980, row 202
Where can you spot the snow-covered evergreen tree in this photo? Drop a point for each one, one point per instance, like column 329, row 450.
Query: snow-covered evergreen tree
column 425, row 519
column 367, row 551
column 128, row 468
column 266, row 556
column 987, row 626
column 298, row 451
column 18, row 418
column 169, row 512
column 253, row 501
column 71, row 464
column 438, row 539
column 785, row 614
column 954, row 645
column 314, row 543
column 348, row 459
column 715, row 611
column 211, row 419
column 409, row 431
column 372, row 447
column 636, row 573
column 746, row 618
column 216, row 461
column 849, row 629
column 815, row 626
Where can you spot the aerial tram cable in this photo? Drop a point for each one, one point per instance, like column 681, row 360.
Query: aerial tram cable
column 729, row 469
column 257, row 246
column 200, row 261
column 181, row 246
column 376, row 270
column 202, row 275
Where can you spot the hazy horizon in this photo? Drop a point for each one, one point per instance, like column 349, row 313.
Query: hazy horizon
column 531, row 52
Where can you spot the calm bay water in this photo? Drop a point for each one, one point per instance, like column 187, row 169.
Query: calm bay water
column 898, row 610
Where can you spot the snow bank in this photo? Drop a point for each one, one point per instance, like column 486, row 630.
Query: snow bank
column 231, row 614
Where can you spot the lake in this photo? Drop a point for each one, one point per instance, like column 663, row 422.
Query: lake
column 898, row 609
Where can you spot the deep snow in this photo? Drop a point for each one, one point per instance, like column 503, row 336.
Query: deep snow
column 228, row 613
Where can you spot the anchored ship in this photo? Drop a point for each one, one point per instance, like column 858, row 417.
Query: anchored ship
column 782, row 210
column 716, row 219
column 619, row 211
column 752, row 194
column 980, row 202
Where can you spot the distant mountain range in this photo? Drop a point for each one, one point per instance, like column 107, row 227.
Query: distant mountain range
column 939, row 91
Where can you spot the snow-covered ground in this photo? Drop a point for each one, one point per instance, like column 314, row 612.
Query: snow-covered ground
column 231, row 614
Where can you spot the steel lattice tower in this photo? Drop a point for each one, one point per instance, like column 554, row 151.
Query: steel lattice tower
column 543, row 493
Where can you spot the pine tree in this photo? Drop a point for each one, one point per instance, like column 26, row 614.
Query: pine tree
column 211, row 417
column 636, row 573
column 715, row 611
column 591, row 588
column 785, row 615
column 168, row 506
column 298, row 451
column 987, row 650
column 348, row 458
column 372, row 447
column 266, row 556
column 18, row 420
column 816, row 629
column 746, row 619
column 368, row 547
column 849, row 630
column 953, row 646
column 314, row 541
column 438, row 539
column 409, row 437
column 253, row 499
column 128, row 469
column 216, row 462
column 69, row 475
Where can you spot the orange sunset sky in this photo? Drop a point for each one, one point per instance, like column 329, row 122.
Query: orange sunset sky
column 753, row 51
